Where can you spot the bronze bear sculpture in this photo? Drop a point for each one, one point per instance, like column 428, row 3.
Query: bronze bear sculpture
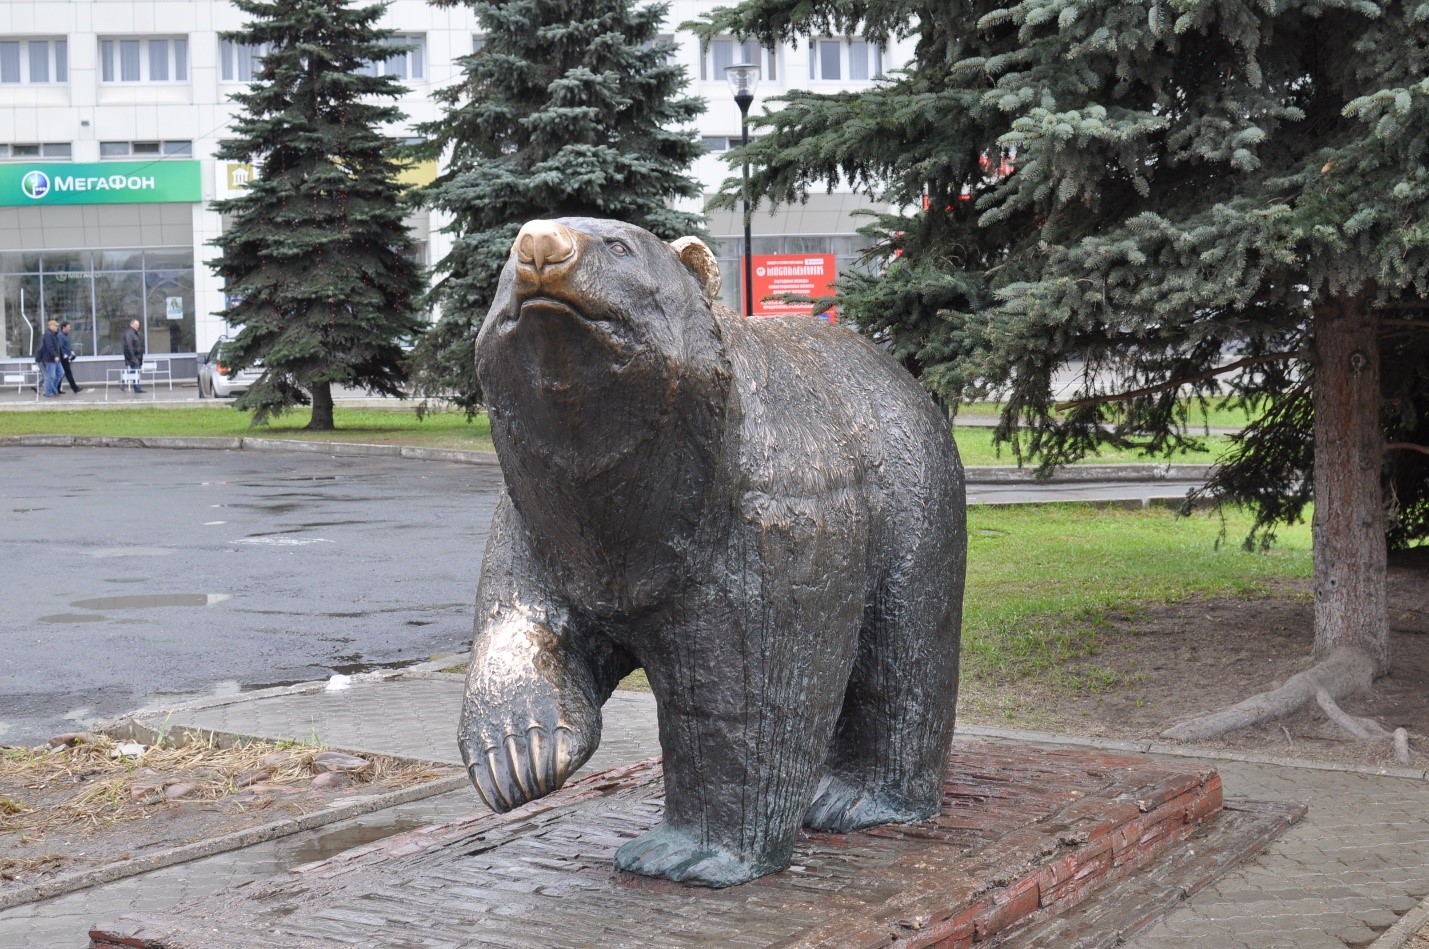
column 766, row 514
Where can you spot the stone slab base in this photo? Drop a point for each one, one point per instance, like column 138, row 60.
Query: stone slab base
column 1025, row 836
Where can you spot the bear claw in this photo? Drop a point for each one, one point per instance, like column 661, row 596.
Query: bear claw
column 522, row 768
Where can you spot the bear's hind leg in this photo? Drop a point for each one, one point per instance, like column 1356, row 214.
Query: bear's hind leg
column 748, row 693
column 890, row 746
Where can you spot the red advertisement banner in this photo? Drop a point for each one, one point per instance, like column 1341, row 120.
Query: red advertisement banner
column 809, row 275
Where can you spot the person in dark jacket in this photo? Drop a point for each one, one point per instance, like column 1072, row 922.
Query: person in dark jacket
column 134, row 351
column 67, row 357
column 51, row 359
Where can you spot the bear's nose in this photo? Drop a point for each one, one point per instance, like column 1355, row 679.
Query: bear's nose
column 544, row 242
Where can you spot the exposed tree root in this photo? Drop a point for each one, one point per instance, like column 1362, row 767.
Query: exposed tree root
column 1343, row 672
column 1356, row 725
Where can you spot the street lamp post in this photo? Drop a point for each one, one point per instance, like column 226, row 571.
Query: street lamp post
column 743, row 80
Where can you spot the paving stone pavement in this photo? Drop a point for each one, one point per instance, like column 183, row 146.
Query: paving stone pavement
column 1354, row 864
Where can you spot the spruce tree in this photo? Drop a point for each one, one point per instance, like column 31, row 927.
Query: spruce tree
column 1177, row 197
column 570, row 108
column 314, row 259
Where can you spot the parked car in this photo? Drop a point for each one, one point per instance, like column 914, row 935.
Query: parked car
column 215, row 381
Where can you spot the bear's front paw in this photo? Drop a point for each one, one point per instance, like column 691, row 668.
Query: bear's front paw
column 676, row 855
column 509, row 769
column 529, row 719
column 842, row 807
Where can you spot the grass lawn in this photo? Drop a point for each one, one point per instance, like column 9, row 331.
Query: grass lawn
column 1232, row 415
column 1040, row 576
column 402, row 427
column 370, row 426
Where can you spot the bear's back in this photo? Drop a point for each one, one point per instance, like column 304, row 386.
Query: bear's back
column 825, row 414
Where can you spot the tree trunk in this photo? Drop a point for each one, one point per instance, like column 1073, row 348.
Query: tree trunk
column 322, row 409
column 1351, row 610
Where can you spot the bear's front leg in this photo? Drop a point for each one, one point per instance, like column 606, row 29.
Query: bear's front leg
column 531, row 714
column 529, row 718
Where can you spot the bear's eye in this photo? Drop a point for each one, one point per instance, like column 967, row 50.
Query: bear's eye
column 618, row 247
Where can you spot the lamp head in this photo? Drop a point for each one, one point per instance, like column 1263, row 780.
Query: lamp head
column 743, row 80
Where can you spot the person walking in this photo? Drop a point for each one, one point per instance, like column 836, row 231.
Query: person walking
column 51, row 359
column 67, row 357
column 134, row 351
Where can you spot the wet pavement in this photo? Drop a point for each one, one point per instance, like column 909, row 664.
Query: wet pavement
column 1357, row 862
column 132, row 572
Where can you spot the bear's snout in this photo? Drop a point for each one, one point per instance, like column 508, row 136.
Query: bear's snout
column 542, row 243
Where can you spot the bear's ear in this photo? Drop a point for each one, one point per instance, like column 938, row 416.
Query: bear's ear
column 694, row 254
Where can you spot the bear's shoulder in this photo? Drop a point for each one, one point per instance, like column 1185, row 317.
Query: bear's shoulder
column 820, row 407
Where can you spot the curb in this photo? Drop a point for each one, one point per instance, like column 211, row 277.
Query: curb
column 974, row 474
column 1151, row 746
column 1006, row 474
column 235, row 840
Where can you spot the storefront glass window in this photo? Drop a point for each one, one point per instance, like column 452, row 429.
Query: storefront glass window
column 118, row 298
column 171, row 310
column 19, row 303
column 99, row 293
column 119, row 260
column 169, row 259
column 67, row 297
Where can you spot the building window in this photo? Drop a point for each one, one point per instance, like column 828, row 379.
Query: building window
column 180, row 147
column 851, row 60
column 727, row 51
column 152, row 59
column 478, row 43
column 672, row 53
column 410, row 64
column 27, row 151
column 34, row 61
column 722, row 143
column 240, row 62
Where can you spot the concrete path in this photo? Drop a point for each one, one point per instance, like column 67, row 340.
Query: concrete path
column 1346, row 873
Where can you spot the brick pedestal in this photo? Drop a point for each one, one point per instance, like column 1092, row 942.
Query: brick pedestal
column 1024, row 834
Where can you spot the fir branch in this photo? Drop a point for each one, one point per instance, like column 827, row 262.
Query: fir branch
column 1184, row 380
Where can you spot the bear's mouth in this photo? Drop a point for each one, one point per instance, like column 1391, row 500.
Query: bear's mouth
column 549, row 305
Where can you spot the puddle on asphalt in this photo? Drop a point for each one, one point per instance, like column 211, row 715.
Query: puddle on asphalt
column 330, row 844
column 149, row 601
column 129, row 552
column 284, row 508
column 302, row 527
column 354, row 668
column 74, row 618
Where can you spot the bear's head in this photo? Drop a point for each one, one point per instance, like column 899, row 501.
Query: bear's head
column 601, row 338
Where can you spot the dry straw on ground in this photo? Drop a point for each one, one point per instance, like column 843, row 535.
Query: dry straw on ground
column 90, row 783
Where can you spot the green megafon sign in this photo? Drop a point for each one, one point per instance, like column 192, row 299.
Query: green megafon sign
column 109, row 182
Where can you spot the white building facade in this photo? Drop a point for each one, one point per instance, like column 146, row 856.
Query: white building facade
column 111, row 110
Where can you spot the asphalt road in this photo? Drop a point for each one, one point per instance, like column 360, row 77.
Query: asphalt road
column 131, row 574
